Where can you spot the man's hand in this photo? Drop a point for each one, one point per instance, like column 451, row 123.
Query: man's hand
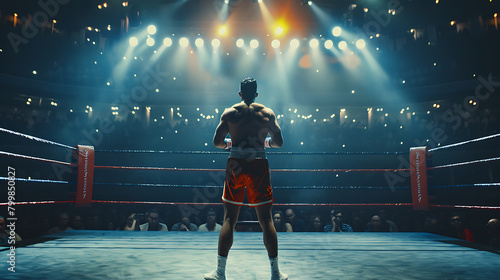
column 267, row 143
column 229, row 143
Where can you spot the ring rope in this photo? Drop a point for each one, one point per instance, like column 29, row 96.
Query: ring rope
column 272, row 170
column 36, row 158
column 468, row 185
column 465, row 142
column 274, row 187
column 465, row 163
column 36, row 180
column 275, row 204
column 36, row 139
column 466, row 206
column 269, row 153
column 34, row 202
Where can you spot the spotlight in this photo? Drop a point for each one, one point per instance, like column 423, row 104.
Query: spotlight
column 167, row 42
column 240, row 43
column 309, row 3
column 226, row 1
column 294, row 43
column 314, row 43
column 342, row 45
column 222, row 30
column 215, row 43
column 360, row 44
column 133, row 41
column 254, row 44
column 184, row 42
column 275, row 44
column 336, row 31
column 150, row 42
column 152, row 30
column 328, row 44
column 199, row 42
column 279, row 30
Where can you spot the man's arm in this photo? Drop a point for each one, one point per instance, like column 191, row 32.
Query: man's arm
column 275, row 132
column 221, row 132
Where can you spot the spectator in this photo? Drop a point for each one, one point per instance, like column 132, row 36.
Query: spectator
column 383, row 219
column 132, row 224
column 316, row 225
column 376, row 225
column 298, row 225
column 153, row 223
column 493, row 228
column 62, row 224
column 338, row 224
column 279, row 222
column 5, row 233
column 76, row 223
column 185, row 225
column 211, row 224
column 458, row 229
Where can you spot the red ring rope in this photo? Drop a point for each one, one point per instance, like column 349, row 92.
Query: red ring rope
column 275, row 204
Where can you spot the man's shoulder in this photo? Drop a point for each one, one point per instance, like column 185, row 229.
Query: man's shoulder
column 263, row 109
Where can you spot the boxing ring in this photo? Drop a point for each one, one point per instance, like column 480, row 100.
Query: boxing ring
column 93, row 177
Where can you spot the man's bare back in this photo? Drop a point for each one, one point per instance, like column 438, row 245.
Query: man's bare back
column 248, row 126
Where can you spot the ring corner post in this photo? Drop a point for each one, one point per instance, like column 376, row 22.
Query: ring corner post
column 418, row 170
column 85, row 176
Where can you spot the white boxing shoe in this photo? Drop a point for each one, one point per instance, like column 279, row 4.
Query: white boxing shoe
column 215, row 276
column 281, row 276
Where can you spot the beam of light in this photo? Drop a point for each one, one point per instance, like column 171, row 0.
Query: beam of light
column 282, row 75
column 167, row 42
column 254, row 44
column 325, row 19
column 133, row 41
column 328, row 44
column 343, row 45
column 275, row 44
column 151, row 30
column 184, row 42
column 150, row 42
column 223, row 13
column 314, row 43
column 336, row 31
column 240, row 43
column 294, row 43
column 266, row 15
column 215, row 43
column 129, row 49
column 360, row 44
column 199, row 42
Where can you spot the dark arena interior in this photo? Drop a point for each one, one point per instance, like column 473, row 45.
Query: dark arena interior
column 389, row 113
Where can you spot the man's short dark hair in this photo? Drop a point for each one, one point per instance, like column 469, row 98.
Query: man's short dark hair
column 248, row 89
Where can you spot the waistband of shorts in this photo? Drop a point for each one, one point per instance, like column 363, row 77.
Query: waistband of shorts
column 247, row 153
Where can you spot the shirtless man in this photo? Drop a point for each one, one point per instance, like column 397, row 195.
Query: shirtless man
column 248, row 124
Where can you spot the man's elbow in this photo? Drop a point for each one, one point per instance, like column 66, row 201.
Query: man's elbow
column 277, row 143
column 219, row 144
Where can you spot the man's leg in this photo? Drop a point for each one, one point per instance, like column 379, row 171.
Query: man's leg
column 231, row 213
column 264, row 213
